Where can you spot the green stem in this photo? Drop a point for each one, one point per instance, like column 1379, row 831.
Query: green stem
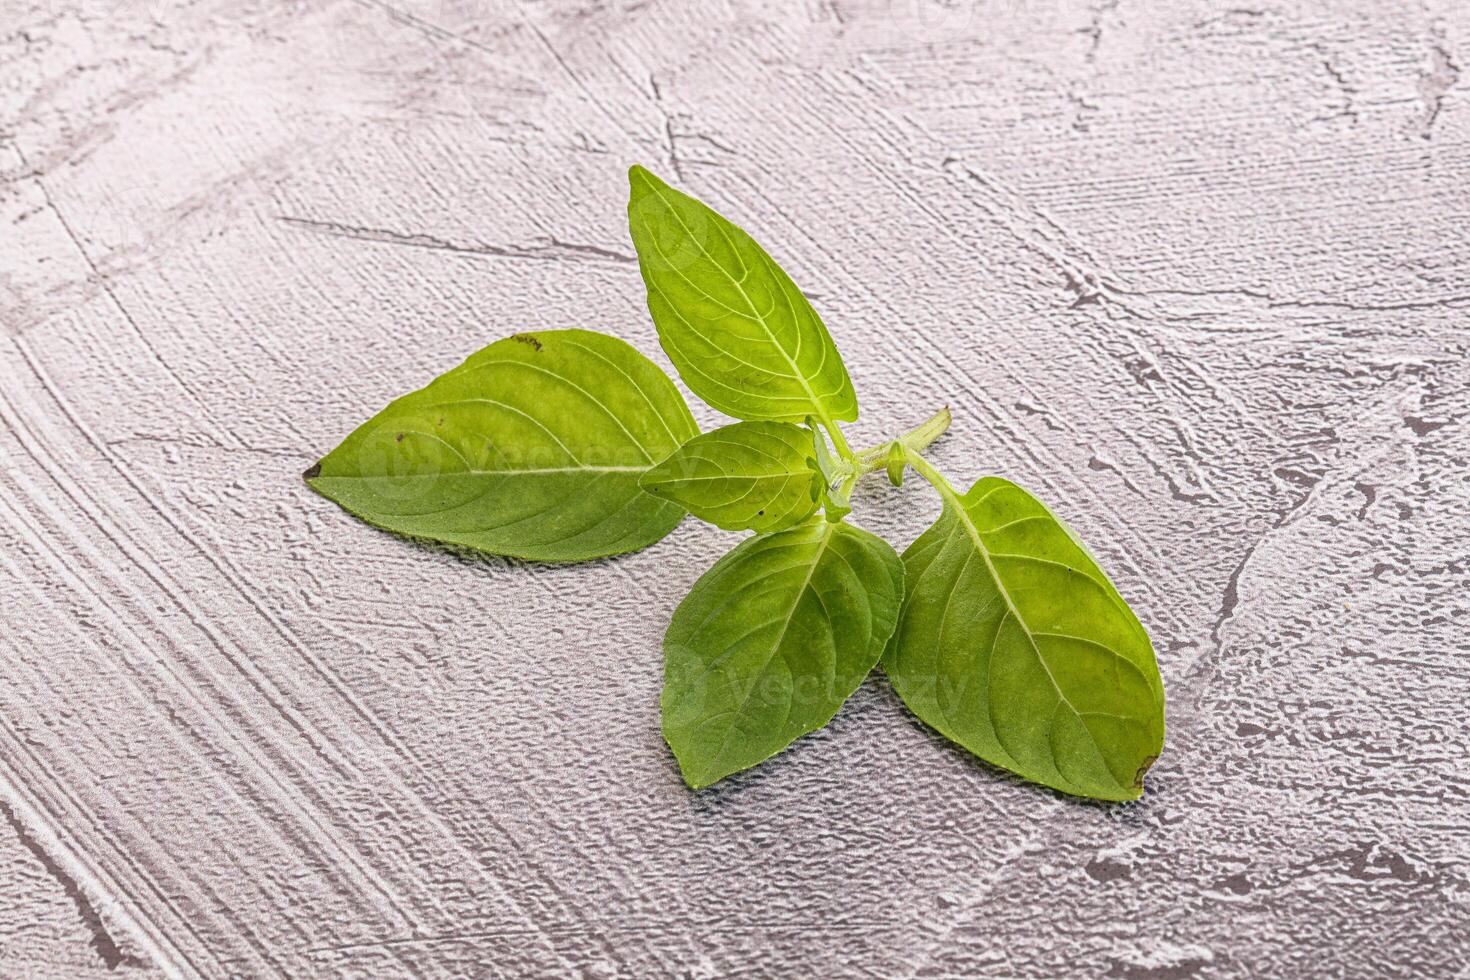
column 839, row 441
column 936, row 479
column 852, row 466
column 914, row 441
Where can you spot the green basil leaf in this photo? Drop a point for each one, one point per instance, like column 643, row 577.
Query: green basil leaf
column 895, row 463
column 771, row 641
column 837, row 501
column 831, row 468
column 532, row 447
column 760, row 476
column 1014, row 644
column 743, row 337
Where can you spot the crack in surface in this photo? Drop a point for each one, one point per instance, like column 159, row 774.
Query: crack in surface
column 671, row 139
column 553, row 250
column 107, row 948
column 1348, row 90
column 1435, row 84
column 1094, row 28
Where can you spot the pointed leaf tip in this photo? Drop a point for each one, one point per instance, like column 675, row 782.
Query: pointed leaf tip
column 727, row 312
column 1014, row 644
column 531, row 448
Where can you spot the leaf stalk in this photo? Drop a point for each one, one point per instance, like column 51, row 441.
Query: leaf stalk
column 914, row 441
column 930, row 473
column 839, row 441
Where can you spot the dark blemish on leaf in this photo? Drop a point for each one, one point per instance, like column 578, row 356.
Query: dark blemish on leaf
column 398, row 438
column 760, row 513
column 1138, row 776
column 312, row 472
column 525, row 338
column 441, row 420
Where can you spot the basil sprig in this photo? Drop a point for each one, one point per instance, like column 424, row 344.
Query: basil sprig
column 996, row 627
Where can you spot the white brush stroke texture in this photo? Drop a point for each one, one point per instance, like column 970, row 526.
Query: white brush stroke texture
column 1197, row 274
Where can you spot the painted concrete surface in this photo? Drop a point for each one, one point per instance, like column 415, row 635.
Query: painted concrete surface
column 1198, row 274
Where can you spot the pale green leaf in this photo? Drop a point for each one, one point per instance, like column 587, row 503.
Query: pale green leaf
column 532, row 447
column 837, row 501
column 828, row 465
column 895, row 464
column 742, row 336
column 1014, row 644
column 771, row 641
column 760, row 476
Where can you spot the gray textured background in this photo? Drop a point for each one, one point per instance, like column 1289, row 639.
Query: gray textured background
column 1196, row 273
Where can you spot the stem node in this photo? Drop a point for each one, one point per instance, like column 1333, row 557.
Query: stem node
column 916, row 440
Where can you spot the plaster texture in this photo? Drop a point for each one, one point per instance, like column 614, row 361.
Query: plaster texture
column 1197, row 274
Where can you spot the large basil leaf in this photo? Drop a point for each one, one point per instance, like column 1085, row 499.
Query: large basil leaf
column 743, row 337
column 771, row 641
column 760, row 476
column 1013, row 643
column 532, row 447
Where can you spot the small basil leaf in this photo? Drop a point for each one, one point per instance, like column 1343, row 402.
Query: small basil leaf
column 532, row 447
column 1014, row 644
column 837, row 502
column 827, row 465
column 771, row 641
column 895, row 464
column 760, row 476
column 743, row 337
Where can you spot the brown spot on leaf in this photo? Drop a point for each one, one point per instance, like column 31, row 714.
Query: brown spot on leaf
column 526, row 338
column 398, row 438
column 1138, row 776
column 312, row 472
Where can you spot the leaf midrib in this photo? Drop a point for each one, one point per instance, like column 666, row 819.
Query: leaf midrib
column 956, row 501
column 755, row 312
column 476, row 472
column 828, row 533
column 752, row 476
